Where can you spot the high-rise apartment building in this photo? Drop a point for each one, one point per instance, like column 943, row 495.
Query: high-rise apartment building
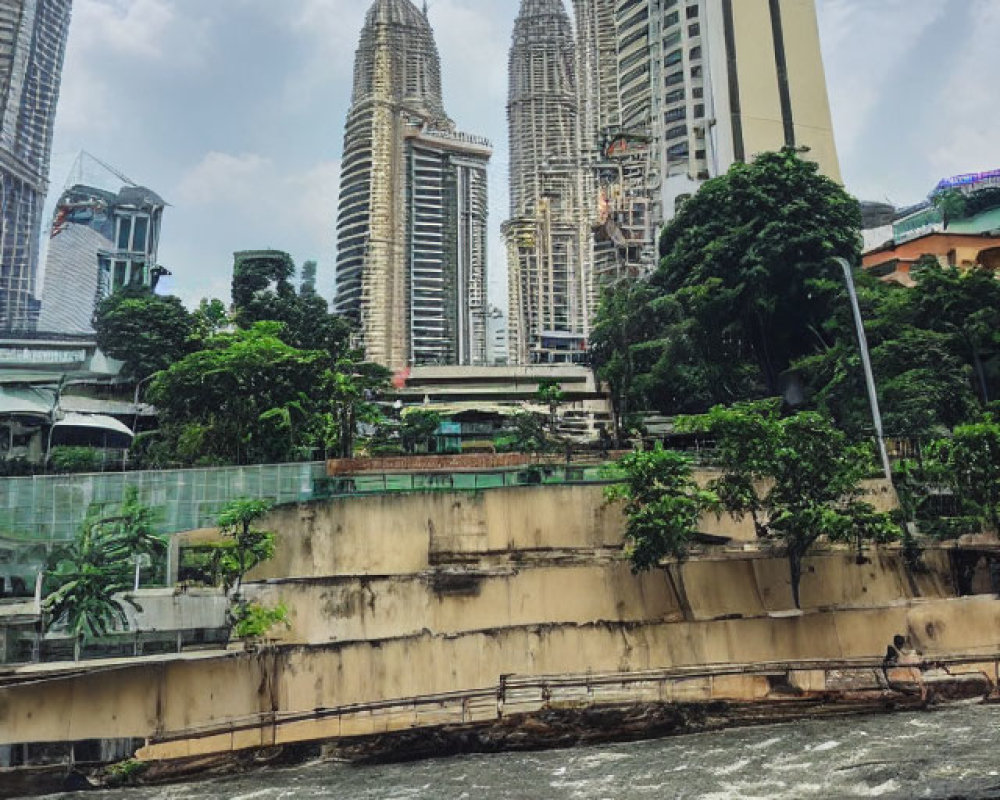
column 615, row 91
column 548, row 236
column 734, row 78
column 32, row 43
column 700, row 85
column 411, row 262
column 99, row 242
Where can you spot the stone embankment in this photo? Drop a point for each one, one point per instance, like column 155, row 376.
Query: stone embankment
column 448, row 622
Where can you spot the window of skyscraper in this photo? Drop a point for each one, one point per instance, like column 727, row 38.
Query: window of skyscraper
column 692, row 12
column 678, row 152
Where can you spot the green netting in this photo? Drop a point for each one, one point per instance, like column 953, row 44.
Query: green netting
column 51, row 508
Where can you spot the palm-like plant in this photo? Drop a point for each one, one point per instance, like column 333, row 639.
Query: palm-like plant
column 90, row 580
column 132, row 532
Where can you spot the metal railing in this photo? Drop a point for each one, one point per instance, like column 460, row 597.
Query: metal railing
column 516, row 694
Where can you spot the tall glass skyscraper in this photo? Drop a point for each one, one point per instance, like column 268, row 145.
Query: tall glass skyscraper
column 411, row 233
column 32, row 44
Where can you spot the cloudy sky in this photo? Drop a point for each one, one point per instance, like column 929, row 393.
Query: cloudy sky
column 233, row 110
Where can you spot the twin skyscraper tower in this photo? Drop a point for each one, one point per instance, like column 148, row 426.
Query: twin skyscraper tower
column 615, row 118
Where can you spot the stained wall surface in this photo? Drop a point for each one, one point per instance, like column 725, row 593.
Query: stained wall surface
column 404, row 597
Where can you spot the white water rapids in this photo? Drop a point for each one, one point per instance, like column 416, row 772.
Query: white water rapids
column 951, row 754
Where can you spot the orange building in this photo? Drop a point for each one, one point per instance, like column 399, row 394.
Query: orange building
column 892, row 262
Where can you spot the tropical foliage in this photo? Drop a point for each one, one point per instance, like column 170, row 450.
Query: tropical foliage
column 744, row 288
column 87, row 580
column 88, row 599
column 747, row 304
column 145, row 331
column 246, row 545
column 272, row 380
column 797, row 477
column 663, row 505
column 253, row 620
column 971, row 461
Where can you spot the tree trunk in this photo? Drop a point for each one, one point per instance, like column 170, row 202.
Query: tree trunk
column 795, row 568
column 981, row 374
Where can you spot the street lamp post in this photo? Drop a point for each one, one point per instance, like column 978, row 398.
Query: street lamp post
column 867, row 363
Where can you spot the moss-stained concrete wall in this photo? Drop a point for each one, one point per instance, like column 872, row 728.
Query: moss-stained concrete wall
column 406, row 596
column 150, row 700
column 399, row 534
column 586, row 591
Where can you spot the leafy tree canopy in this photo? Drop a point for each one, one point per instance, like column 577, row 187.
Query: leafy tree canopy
column 971, row 458
column 249, row 545
column 663, row 505
column 249, row 397
column 263, row 290
column 218, row 403
column 935, row 352
column 147, row 332
column 744, row 288
column 797, row 477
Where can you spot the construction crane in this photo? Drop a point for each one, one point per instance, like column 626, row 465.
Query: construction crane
column 76, row 174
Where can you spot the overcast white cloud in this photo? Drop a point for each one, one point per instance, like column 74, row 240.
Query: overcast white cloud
column 233, row 110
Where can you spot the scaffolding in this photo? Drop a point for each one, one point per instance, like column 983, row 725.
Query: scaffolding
column 613, row 57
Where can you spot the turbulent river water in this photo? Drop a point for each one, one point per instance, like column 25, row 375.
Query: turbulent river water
column 952, row 753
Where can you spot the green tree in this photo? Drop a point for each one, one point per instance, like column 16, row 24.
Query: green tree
column 418, row 428
column 964, row 305
column 951, row 203
column 210, row 318
column 971, row 458
column 624, row 335
column 746, row 282
column 145, row 331
column 233, row 401
column 248, row 546
column 132, row 532
column 348, row 394
column 524, row 433
column 253, row 621
column 86, row 583
column 934, row 348
column 798, row 478
column 550, row 393
column 663, row 505
column 263, row 291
